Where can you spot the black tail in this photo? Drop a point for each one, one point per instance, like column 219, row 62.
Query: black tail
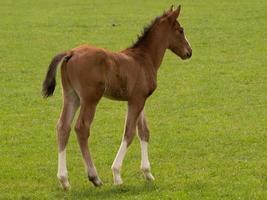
column 49, row 83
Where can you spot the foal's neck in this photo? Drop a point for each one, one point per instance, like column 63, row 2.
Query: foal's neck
column 155, row 47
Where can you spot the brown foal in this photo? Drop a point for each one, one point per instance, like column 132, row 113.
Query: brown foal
column 88, row 73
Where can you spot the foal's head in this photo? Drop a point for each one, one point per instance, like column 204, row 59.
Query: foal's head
column 177, row 41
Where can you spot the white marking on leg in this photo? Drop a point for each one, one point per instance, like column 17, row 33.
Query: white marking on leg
column 116, row 166
column 62, row 173
column 144, row 156
column 145, row 165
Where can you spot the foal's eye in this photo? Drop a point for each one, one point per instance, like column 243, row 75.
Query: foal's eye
column 181, row 30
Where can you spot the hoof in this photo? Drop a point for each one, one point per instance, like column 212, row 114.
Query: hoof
column 96, row 181
column 149, row 176
column 64, row 182
column 118, row 180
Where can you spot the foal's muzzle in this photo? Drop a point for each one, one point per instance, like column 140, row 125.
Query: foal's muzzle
column 189, row 54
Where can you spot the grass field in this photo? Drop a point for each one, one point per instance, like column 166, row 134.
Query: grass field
column 208, row 116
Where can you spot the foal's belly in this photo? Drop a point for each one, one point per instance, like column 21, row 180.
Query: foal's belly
column 116, row 88
column 119, row 94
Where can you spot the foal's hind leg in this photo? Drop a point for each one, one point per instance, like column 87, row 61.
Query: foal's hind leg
column 143, row 133
column 71, row 103
column 88, row 107
column 134, row 109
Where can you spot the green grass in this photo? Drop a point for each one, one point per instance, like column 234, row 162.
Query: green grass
column 208, row 116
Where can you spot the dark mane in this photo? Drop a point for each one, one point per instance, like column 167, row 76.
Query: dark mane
column 147, row 29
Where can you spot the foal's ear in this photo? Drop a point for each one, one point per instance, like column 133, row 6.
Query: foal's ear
column 176, row 12
column 168, row 12
column 174, row 15
column 171, row 9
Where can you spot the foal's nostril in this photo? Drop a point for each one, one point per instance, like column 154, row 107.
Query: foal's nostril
column 189, row 54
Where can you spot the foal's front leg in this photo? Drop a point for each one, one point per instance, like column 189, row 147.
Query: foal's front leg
column 134, row 109
column 143, row 133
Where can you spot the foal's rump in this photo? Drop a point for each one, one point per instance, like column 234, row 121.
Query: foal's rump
column 86, row 63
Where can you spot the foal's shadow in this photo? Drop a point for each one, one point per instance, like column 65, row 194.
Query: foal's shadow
column 113, row 192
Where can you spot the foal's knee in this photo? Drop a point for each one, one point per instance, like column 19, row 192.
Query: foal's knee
column 128, row 138
column 144, row 135
column 143, row 131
